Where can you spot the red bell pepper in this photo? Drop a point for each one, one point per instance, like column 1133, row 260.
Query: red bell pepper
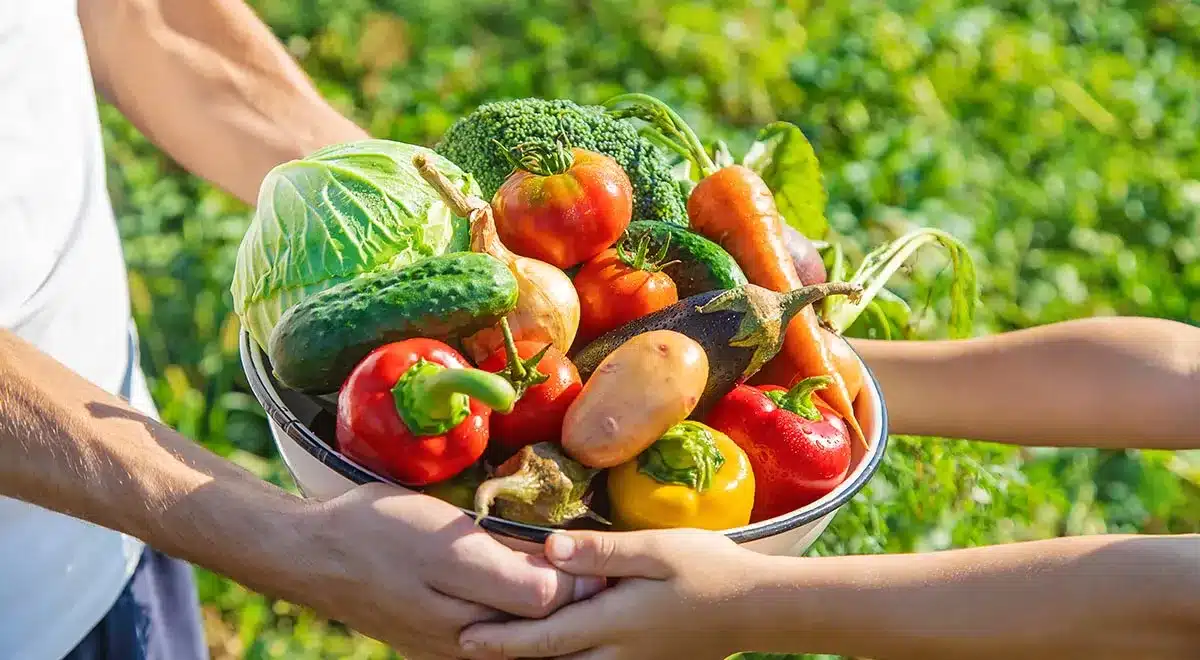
column 799, row 448
column 415, row 411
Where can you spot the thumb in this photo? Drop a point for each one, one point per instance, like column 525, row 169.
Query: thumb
column 610, row 554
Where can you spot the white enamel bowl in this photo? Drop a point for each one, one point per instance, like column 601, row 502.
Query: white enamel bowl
column 321, row 472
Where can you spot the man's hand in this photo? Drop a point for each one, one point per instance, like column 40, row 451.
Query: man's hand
column 406, row 568
column 679, row 598
column 412, row 571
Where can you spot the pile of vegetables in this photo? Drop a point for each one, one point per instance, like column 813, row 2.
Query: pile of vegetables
column 612, row 339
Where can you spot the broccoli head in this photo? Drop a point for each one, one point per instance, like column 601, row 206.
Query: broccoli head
column 469, row 144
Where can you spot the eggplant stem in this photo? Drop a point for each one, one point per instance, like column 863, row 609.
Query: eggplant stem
column 765, row 315
column 797, row 299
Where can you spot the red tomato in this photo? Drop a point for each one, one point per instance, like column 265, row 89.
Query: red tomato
column 562, row 207
column 538, row 414
column 616, row 287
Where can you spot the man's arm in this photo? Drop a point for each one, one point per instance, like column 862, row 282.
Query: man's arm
column 67, row 446
column 208, row 83
column 1111, row 382
column 392, row 563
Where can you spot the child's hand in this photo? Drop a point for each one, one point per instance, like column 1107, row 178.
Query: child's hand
column 682, row 600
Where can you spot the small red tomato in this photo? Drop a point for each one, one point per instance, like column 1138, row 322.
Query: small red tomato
column 798, row 447
column 562, row 206
column 617, row 287
column 538, row 414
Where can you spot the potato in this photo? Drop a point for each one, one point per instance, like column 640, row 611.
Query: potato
column 644, row 387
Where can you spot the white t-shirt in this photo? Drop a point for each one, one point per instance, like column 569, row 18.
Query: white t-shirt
column 63, row 287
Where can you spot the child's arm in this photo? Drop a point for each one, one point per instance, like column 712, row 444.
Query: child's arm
column 1098, row 382
column 702, row 597
column 1093, row 597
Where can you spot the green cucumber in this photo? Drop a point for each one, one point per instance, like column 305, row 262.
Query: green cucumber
column 318, row 342
column 700, row 264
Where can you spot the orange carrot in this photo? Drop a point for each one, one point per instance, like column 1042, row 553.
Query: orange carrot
column 734, row 208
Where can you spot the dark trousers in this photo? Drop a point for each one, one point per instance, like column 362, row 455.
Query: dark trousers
column 156, row 617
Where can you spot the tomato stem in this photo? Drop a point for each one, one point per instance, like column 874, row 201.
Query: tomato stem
column 539, row 157
column 510, row 349
column 666, row 120
column 522, row 374
column 798, row 400
column 639, row 260
column 432, row 399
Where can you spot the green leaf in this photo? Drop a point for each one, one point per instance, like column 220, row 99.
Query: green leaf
column 888, row 316
column 835, row 272
column 882, row 263
column 785, row 160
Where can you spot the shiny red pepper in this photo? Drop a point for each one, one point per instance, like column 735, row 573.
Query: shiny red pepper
column 799, row 448
column 415, row 411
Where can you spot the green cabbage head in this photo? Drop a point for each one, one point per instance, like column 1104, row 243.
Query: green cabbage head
column 342, row 211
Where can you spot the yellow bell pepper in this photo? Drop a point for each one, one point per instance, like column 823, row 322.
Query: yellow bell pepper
column 693, row 476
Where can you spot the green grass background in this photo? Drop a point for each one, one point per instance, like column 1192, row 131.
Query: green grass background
column 1058, row 138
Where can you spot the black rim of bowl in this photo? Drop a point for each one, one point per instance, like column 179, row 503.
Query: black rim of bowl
column 252, row 358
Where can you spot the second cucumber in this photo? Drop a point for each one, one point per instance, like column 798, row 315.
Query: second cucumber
column 698, row 265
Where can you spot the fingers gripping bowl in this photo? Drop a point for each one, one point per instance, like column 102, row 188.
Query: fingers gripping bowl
column 298, row 422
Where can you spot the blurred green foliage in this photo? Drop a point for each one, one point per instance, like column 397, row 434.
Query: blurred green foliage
column 1058, row 138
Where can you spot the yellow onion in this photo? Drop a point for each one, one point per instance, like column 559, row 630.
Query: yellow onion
column 547, row 305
